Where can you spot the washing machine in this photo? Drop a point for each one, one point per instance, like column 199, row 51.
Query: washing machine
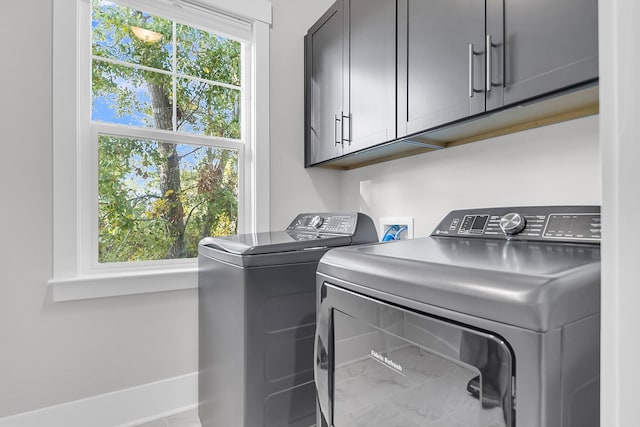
column 491, row 321
column 257, row 320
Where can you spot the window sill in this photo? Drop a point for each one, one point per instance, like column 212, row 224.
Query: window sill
column 128, row 283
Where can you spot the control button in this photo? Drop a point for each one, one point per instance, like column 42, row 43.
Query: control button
column 512, row 223
column 316, row 221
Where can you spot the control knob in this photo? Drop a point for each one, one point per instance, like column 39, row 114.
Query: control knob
column 316, row 221
column 512, row 223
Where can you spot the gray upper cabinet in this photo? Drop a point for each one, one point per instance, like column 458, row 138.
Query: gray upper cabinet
column 381, row 72
column 549, row 45
column 350, row 79
column 440, row 62
column 460, row 58
column 371, row 76
column 324, row 50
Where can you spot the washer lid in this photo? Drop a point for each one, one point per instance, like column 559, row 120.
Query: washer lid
column 534, row 285
column 307, row 231
column 274, row 242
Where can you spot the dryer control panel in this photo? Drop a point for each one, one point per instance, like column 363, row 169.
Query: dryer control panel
column 538, row 223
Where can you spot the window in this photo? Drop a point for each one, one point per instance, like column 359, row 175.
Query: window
column 156, row 197
column 160, row 139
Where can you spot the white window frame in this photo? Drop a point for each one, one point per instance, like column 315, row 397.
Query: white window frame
column 76, row 273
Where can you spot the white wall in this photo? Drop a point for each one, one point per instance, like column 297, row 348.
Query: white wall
column 556, row 164
column 58, row 352
column 619, row 133
column 293, row 188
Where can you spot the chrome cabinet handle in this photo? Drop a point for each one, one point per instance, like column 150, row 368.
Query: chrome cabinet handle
column 348, row 117
column 488, row 74
column 471, row 91
column 472, row 53
column 336, row 141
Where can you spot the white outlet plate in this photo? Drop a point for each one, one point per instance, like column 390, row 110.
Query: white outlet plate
column 397, row 220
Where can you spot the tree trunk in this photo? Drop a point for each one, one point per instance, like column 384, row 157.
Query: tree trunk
column 215, row 178
column 169, row 169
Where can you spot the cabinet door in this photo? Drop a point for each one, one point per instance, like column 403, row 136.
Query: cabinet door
column 371, row 84
column 549, row 45
column 324, row 87
column 441, row 62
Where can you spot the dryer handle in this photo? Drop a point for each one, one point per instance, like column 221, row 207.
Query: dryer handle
column 322, row 366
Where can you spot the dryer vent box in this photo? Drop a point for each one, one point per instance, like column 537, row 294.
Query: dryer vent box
column 401, row 221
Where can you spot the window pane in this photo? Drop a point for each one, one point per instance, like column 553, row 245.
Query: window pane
column 207, row 109
column 131, row 36
column 157, row 200
column 207, row 55
column 131, row 96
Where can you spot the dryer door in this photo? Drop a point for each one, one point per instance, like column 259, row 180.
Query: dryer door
column 381, row 365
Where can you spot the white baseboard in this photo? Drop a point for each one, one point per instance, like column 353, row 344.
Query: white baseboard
column 122, row 408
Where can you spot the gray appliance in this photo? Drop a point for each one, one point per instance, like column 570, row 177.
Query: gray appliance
column 257, row 320
column 492, row 321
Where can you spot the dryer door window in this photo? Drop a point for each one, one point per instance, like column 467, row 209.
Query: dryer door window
column 390, row 366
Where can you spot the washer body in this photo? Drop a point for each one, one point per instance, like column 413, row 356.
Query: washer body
column 467, row 327
column 257, row 320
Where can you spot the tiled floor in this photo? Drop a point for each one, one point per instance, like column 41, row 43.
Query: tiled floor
column 183, row 419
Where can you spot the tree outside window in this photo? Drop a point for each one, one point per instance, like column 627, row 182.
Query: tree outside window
column 158, row 198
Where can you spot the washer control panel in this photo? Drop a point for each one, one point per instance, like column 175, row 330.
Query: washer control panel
column 324, row 223
column 542, row 223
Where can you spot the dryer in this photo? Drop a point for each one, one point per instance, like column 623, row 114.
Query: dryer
column 492, row 321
